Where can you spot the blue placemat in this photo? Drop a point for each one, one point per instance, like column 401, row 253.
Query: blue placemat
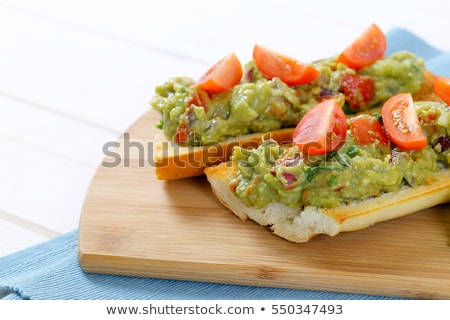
column 437, row 61
column 50, row 270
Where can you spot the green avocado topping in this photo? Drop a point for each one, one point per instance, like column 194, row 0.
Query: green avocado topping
column 191, row 116
column 279, row 173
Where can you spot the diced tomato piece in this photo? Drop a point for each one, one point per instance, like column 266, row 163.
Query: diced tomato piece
column 222, row 76
column 323, row 129
column 402, row 123
column 369, row 47
column 442, row 88
column 366, row 129
column 273, row 64
column 182, row 134
column 358, row 90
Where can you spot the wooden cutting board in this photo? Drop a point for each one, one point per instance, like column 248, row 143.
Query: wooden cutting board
column 133, row 224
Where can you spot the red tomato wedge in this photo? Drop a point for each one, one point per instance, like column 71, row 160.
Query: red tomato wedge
column 366, row 129
column 401, row 122
column 273, row 64
column 222, row 76
column 366, row 49
column 442, row 88
column 322, row 129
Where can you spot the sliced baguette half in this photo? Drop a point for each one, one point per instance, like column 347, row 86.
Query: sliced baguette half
column 300, row 225
column 176, row 162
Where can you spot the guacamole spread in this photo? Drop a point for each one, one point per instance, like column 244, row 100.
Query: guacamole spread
column 191, row 116
column 281, row 173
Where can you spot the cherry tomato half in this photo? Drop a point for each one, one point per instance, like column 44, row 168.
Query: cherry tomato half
column 222, row 76
column 323, row 129
column 273, row 64
column 441, row 86
column 365, row 50
column 401, row 122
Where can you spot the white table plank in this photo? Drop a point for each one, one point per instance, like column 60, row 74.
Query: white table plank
column 42, row 188
column 38, row 146
column 310, row 29
column 53, row 133
column 85, row 76
column 428, row 19
column 14, row 237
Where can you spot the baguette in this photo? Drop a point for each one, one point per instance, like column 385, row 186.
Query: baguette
column 173, row 161
column 301, row 224
column 281, row 188
column 176, row 162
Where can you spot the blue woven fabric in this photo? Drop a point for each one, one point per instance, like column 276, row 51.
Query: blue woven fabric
column 50, row 270
column 436, row 61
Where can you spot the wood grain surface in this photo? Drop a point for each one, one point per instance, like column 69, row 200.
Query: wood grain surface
column 134, row 224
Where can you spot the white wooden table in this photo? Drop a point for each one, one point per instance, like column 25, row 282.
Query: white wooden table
column 75, row 74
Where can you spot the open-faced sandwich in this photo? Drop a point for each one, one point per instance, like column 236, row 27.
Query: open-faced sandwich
column 343, row 173
column 203, row 120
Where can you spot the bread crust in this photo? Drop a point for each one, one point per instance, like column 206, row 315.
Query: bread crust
column 301, row 224
column 175, row 162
